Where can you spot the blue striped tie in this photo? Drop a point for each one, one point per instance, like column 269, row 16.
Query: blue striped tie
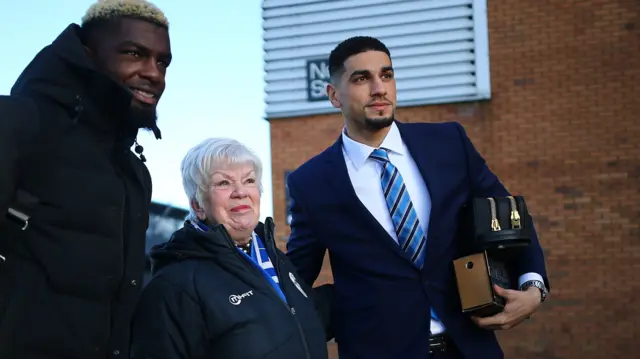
column 411, row 237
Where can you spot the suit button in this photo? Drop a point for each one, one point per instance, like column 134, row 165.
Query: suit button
column 134, row 282
column 425, row 281
column 116, row 352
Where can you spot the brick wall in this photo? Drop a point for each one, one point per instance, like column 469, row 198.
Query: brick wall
column 563, row 129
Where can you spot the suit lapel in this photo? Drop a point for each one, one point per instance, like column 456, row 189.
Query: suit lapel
column 338, row 177
column 424, row 152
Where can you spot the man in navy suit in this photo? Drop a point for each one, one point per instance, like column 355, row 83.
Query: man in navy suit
column 384, row 201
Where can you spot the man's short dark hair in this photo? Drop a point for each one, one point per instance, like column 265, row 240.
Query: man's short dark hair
column 352, row 46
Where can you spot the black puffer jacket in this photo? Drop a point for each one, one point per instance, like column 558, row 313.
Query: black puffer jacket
column 206, row 300
column 71, row 279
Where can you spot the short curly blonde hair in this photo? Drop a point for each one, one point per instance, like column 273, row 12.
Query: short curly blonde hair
column 140, row 9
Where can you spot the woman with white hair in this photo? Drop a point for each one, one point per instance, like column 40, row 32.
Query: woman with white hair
column 220, row 287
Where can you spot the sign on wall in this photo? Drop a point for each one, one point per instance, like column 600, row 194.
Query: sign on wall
column 317, row 79
column 440, row 50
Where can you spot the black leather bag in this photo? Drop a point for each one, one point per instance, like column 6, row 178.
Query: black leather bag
column 501, row 226
column 492, row 232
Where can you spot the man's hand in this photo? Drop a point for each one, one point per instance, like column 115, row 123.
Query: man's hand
column 519, row 306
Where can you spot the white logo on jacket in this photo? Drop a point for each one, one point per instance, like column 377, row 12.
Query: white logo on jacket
column 236, row 299
column 295, row 282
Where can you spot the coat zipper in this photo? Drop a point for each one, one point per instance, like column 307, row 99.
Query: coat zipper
column 268, row 233
column 122, row 215
column 114, row 299
column 290, row 309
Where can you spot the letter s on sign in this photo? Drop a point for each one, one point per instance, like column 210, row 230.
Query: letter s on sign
column 318, row 88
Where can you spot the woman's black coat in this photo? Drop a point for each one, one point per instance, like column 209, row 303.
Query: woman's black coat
column 207, row 301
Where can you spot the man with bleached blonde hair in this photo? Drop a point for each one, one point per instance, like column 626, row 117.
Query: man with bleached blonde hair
column 74, row 198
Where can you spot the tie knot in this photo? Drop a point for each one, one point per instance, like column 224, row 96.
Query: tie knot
column 380, row 154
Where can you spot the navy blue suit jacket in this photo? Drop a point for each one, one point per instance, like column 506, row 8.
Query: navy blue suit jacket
column 381, row 304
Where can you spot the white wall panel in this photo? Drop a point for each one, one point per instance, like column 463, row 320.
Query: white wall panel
column 439, row 48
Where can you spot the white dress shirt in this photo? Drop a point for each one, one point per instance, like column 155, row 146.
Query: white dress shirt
column 364, row 173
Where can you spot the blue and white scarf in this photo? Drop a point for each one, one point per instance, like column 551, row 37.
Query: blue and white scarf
column 259, row 258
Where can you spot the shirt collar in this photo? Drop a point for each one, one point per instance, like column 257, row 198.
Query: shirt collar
column 358, row 153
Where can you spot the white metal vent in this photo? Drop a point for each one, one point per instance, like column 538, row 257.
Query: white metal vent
column 439, row 49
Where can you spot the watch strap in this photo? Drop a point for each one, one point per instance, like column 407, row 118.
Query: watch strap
column 537, row 284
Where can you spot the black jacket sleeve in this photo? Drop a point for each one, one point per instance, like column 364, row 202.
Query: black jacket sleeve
column 323, row 298
column 167, row 324
column 19, row 132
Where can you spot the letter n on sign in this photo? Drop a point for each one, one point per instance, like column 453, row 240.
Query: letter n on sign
column 317, row 79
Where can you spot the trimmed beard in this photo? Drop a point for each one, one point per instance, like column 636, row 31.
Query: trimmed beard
column 376, row 124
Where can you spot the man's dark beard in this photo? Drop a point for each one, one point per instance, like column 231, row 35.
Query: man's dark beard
column 376, row 124
column 140, row 116
column 143, row 117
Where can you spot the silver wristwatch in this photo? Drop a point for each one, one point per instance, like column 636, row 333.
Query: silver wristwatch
column 538, row 284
